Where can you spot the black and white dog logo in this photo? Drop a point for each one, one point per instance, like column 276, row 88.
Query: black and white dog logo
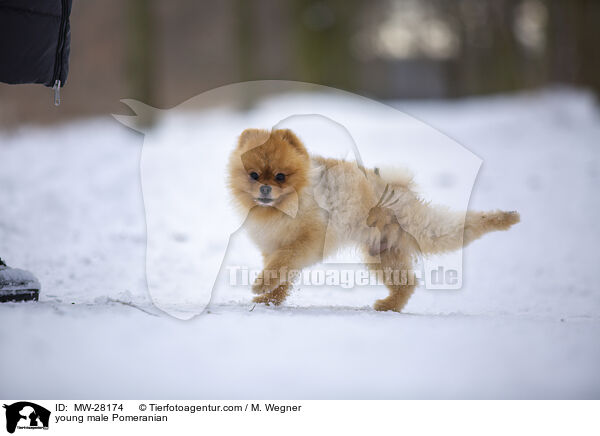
column 26, row 415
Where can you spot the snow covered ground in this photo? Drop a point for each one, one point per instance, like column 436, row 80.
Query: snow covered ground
column 526, row 323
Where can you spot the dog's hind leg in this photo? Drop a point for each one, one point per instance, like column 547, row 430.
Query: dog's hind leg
column 439, row 230
column 395, row 269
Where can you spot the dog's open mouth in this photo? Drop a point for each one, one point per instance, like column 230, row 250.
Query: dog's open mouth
column 264, row 200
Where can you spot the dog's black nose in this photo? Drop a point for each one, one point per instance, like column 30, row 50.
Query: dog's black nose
column 265, row 189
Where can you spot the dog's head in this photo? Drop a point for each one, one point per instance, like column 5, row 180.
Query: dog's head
column 268, row 169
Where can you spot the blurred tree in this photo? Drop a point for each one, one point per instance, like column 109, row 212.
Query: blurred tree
column 141, row 55
column 573, row 35
column 489, row 58
column 321, row 34
column 246, row 50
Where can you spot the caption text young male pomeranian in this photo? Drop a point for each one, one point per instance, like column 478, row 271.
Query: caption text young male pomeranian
column 301, row 208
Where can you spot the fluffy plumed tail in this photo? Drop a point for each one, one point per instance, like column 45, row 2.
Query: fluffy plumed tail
column 437, row 229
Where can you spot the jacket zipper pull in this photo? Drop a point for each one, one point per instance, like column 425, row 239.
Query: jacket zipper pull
column 56, row 88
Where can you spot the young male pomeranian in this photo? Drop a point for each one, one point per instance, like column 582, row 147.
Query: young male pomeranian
column 302, row 208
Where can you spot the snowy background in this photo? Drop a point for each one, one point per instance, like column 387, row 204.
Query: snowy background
column 526, row 323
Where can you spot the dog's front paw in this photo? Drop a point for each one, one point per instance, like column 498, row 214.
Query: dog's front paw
column 275, row 297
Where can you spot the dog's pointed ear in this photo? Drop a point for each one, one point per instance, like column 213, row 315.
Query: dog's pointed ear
column 255, row 137
column 290, row 137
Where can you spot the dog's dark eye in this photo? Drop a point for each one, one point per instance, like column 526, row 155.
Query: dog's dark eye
column 254, row 175
column 280, row 177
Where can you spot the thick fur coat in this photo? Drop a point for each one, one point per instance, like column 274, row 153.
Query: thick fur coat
column 300, row 209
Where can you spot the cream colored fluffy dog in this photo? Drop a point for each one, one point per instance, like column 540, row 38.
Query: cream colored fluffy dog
column 301, row 209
